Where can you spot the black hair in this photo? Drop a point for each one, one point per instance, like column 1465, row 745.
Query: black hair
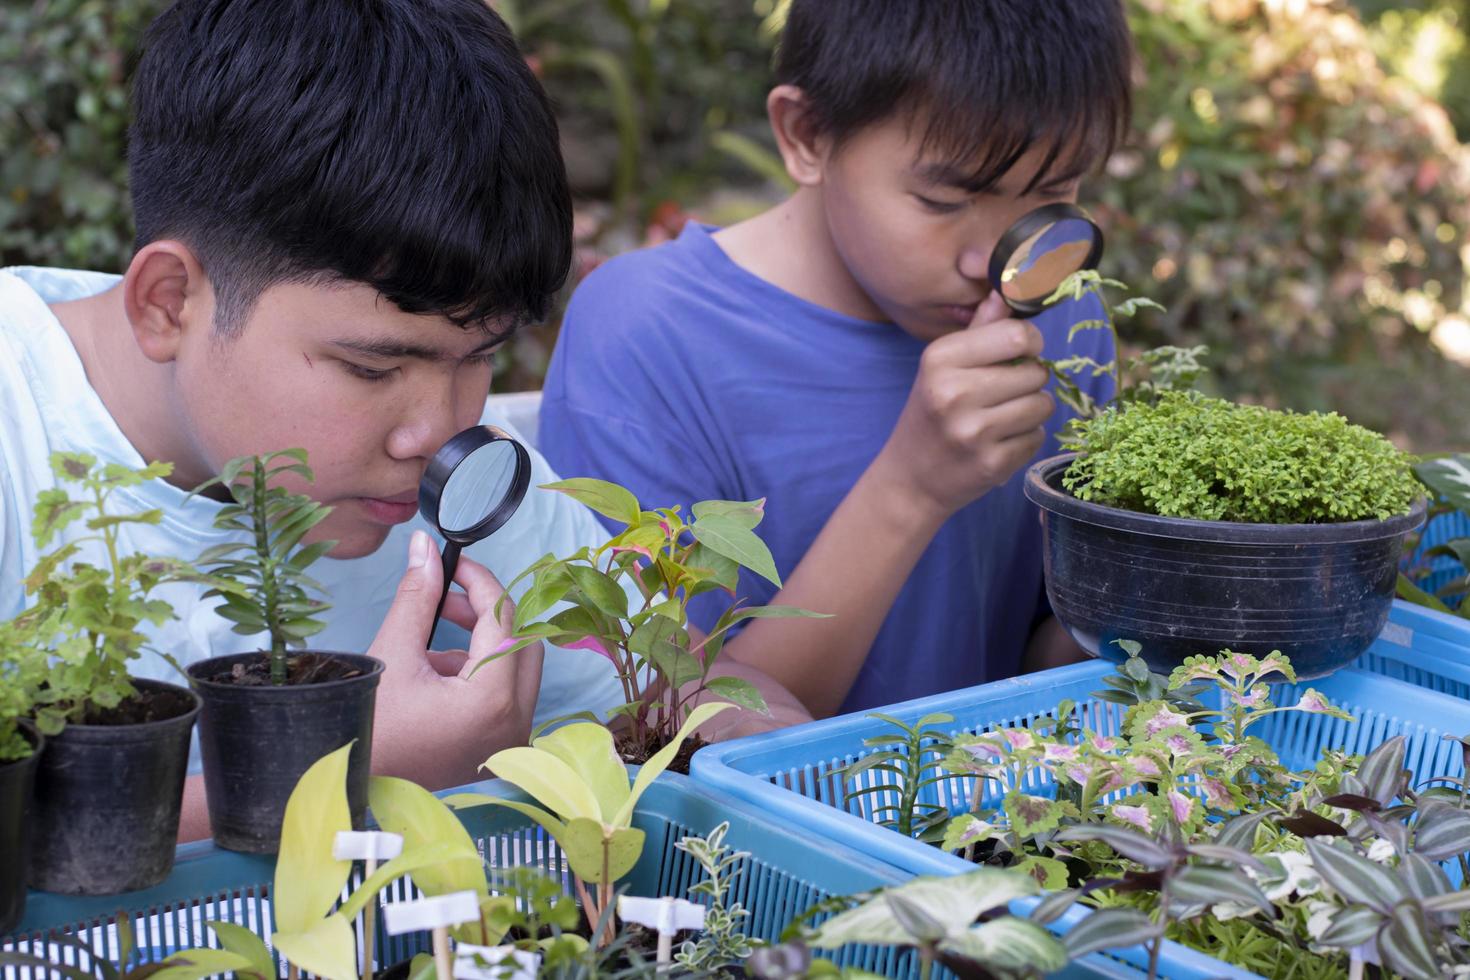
column 986, row 80
column 404, row 144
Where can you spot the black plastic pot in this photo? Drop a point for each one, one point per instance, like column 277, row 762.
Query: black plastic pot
column 17, row 786
column 257, row 741
column 1319, row 593
column 107, row 802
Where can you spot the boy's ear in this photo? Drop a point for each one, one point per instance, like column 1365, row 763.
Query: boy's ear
column 802, row 150
column 166, row 295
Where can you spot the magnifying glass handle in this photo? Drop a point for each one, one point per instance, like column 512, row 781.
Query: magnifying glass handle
column 451, row 562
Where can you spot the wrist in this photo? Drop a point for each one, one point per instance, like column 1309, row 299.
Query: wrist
column 901, row 497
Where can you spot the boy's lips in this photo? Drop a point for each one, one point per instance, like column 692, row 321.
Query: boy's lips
column 958, row 313
column 391, row 510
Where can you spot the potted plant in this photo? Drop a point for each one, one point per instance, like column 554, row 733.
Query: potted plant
column 1189, row 523
column 110, row 782
column 23, row 669
column 269, row 715
column 662, row 561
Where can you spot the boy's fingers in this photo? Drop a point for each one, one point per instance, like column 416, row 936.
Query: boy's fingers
column 993, row 308
column 405, row 629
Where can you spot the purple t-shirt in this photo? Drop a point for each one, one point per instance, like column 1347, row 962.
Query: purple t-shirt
column 684, row 377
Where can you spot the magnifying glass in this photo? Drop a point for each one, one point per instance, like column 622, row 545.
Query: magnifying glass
column 472, row 486
column 1041, row 249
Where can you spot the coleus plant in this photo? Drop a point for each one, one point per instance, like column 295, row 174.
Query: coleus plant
column 662, row 560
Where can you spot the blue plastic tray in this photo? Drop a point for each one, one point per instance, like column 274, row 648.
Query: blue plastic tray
column 786, row 872
column 1422, row 647
column 1442, row 569
column 796, row 775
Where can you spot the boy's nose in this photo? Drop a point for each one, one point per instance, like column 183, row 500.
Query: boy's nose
column 424, row 431
column 974, row 260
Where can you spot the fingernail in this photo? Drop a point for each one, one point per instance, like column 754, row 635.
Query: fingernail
column 418, row 550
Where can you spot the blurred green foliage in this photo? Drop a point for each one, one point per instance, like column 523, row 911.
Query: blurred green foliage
column 1292, row 192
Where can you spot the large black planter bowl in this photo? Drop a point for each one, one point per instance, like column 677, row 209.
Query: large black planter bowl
column 1319, row 593
column 17, row 785
column 106, row 818
column 257, row 741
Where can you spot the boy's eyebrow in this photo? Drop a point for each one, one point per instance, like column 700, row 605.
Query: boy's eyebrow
column 941, row 174
column 397, row 348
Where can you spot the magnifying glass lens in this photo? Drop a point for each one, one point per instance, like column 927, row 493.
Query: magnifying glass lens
column 1041, row 250
column 477, row 486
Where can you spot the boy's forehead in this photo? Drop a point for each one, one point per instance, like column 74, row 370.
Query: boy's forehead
column 357, row 317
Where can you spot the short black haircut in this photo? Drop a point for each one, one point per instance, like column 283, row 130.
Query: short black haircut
column 404, row 144
column 985, row 80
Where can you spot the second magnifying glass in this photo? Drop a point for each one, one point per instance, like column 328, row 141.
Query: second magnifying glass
column 471, row 488
column 1041, row 249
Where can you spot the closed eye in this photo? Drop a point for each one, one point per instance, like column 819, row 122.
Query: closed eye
column 940, row 207
column 367, row 373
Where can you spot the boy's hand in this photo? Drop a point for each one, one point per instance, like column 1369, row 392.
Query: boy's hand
column 435, row 723
column 975, row 414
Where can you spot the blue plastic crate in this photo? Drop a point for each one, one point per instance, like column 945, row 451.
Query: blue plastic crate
column 1422, row 647
column 1442, row 569
column 786, row 872
column 796, row 775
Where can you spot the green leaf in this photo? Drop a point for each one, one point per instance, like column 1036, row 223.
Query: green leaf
column 404, row 807
column 601, row 590
column 326, row 948
column 1406, row 589
column 589, row 751
column 423, row 856
column 729, row 538
column 1449, row 902
column 738, row 691
column 1442, row 831
column 1032, row 815
column 195, row 964
column 308, row 879
column 242, row 942
column 1135, row 847
column 1355, row 878
column 747, row 514
column 1113, row 928
column 1449, row 477
column 1208, row 885
column 1351, row 927
column 661, row 759
column 1406, row 946
column 608, row 499
column 1240, row 832
column 677, row 667
column 1382, row 772
column 954, row 903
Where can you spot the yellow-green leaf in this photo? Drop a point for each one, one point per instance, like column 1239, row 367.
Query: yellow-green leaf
column 308, row 879
column 660, row 761
column 327, row 949
column 588, row 749
column 243, row 942
column 195, row 964
column 427, row 855
column 546, row 777
column 583, row 842
column 406, row 808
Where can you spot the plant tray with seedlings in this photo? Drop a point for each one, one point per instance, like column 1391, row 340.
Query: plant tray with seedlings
column 752, row 875
column 1209, row 795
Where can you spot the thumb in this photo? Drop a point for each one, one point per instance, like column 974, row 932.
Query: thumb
column 411, row 616
column 992, row 309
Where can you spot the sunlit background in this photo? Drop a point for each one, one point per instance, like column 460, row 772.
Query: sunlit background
column 1296, row 190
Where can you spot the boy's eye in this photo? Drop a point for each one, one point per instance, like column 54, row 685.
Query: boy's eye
column 367, row 373
column 940, row 207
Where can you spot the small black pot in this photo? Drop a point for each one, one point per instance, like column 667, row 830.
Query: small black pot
column 107, row 802
column 257, row 741
column 1319, row 593
column 17, row 787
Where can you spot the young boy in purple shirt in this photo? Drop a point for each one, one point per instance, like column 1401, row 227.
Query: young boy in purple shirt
column 844, row 355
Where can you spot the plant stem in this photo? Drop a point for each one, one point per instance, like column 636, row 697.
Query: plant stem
column 926, row 961
column 1158, row 944
column 267, row 573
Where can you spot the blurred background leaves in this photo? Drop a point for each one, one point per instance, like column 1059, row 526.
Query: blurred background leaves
column 1296, row 190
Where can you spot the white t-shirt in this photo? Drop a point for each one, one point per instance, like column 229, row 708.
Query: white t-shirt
column 47, row 405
